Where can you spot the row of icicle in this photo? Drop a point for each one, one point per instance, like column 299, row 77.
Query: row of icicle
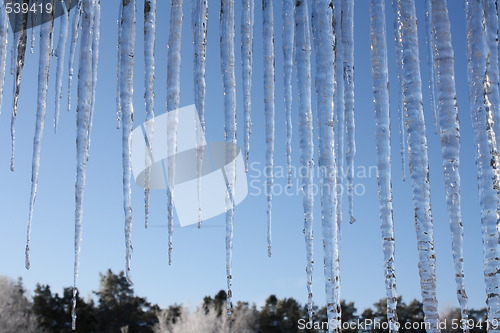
column 88, row 12
column 332, row 37
column 86, row 18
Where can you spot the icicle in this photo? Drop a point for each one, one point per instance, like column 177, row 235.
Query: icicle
column 401, row 109
column 228, row 77
column 95, row 53
column 60, row 54
column 492, row 91
column 3, row 48
column 303, row 60
column 46, row 31
column 339, row 126
column 199, row 26
column 485, row 154
column 34, row 23
column 287, row 33
column 15, row 42
column 443, row 61
column 348, row 60
column 380, row 75
column 402, row 135
column 126, row 96
column 149, row 95
column 173, row 100
column 20, row 39
column 418, row 158
column 34, row 19
column 13, row 50
column 430, row 62
column 72, row 49
column 247, row 16
column 491, row 21
column 118, row 69
column 324, row 41
column 268, row 49
column 83, row 125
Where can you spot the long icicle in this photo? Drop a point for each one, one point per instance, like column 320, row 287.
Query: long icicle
column 430, row 65
column 95, row 48
column 228, row 77
column 173, row 101
column 95, row 53
column 46, row 31
column 380, row 76
column 199, row 21
column 3, row 49
column 72, row 49
column 447, row 110
column 118, row 68
column 268, row 49
column 126, row 93
column 20, row 39
column 287, row 37
column 247, row 21
column 339, row 124
column 418, row 159
column 485, row 156
column 60, row 54
column 348, row 60
column 492, row 89
column 303, row 59
column 149, row 94
column 324, row 42
column 199, row 25
column 491, row 21
column 401, row 109
column 83, row 124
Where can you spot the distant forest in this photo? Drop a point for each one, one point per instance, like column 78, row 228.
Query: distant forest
column 116, row 309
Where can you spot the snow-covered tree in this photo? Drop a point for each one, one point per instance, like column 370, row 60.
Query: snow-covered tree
column 16, row 314
column 206, row 318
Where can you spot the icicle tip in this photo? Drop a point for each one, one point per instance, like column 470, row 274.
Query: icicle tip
column 27, row 262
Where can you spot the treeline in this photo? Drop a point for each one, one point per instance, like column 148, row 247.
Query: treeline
column 114, row 308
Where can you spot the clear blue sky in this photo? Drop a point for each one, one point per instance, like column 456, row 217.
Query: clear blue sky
column 198, row 267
